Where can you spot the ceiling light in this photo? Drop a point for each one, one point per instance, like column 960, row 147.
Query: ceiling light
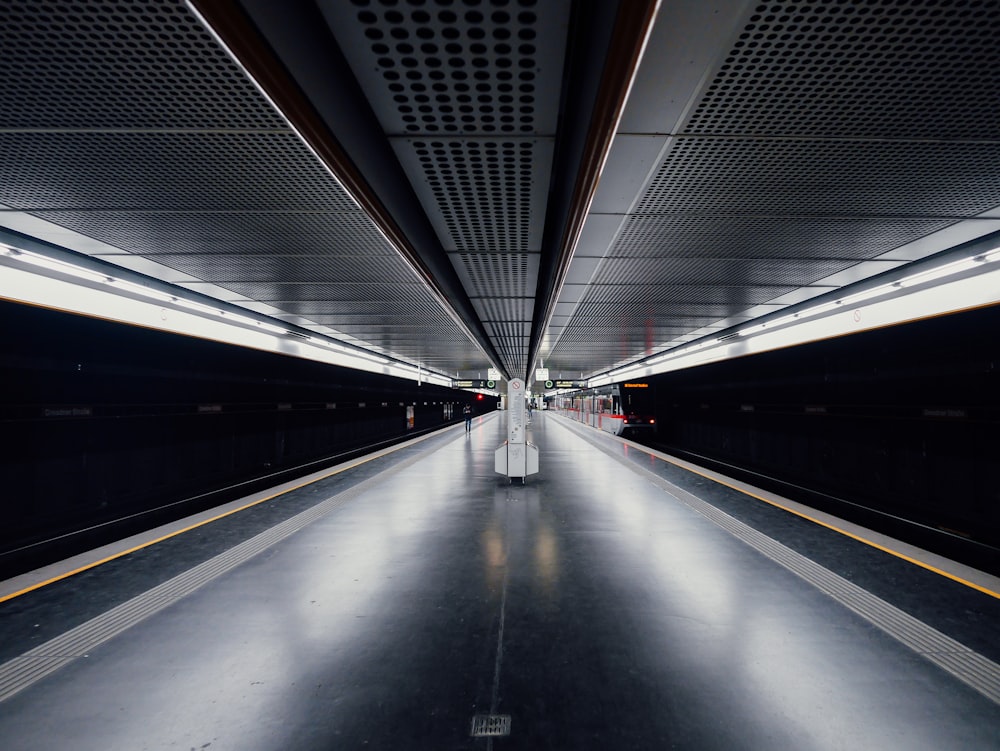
column 54, row 264
column 141, row 289
column 199, row 306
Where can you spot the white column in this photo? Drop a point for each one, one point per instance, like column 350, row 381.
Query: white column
column 516, row 457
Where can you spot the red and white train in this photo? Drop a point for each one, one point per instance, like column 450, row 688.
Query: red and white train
column 620, row 408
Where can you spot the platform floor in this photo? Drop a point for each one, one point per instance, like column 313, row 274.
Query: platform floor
column 601, row 605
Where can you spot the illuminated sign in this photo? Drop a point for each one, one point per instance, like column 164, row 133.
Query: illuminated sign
column 473, row 384
column 636, row 385
column 565, row 384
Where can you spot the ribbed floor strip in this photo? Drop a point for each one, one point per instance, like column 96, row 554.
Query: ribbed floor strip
column 968, row 666
column 35, row 664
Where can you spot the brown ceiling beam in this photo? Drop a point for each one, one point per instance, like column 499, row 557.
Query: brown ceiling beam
column 232, row 23
column 579, row 164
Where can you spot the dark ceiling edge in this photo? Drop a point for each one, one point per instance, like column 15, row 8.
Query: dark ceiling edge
column 601, row 108
column 245, row 30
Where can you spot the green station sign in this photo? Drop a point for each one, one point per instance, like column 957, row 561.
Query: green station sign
column 474, row 383
column 565, row 384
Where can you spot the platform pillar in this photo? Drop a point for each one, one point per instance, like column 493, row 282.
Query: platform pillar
column 516, row 457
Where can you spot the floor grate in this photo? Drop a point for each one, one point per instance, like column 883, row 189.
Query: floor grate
column 490, row 724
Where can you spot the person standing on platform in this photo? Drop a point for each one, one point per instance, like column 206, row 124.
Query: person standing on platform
column 467, row 411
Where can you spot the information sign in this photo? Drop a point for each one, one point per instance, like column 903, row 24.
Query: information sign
column 565, row 384
column 474, row 383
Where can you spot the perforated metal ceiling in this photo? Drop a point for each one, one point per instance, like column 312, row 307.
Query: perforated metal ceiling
column 128, row 123
column 468, row 94
column 872, row 69
column 787, row 149
column 768, row 152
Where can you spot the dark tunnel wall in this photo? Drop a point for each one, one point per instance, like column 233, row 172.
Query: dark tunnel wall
column 898, row 428
column 109, row 429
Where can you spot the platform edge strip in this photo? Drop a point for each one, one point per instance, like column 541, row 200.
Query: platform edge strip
column 28, row 668
column 970, row 667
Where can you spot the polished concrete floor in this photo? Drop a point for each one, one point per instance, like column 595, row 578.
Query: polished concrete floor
column 589, row 606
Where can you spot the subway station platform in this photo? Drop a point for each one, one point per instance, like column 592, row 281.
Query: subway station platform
column 417, row 600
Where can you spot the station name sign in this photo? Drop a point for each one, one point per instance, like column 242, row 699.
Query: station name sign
column 636, row 385
column 565, row 384
column 473, row 384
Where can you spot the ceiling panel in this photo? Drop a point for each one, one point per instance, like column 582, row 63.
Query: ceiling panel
column 455, row 67
column 643, row 310
column 328, row 234
column 468, row 95
column 272, row 292
column 481, row 194
column 624, row 293
column 149, row 170
column 264, row 267
column 504, row 308
column 499, row 275
column 860, row 70
column 128, row 122
column 814, row 139
column 119, row 64
column 329, row 311
column 792, row 176
column 760, row 236
column 769, row 150
column 698, row 271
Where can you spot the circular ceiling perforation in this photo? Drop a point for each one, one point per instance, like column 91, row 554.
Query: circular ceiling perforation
column 120, row 64
column 484, row 190
column 718, row 294
column 860, row 69
column 835, row 178
column 497, row 275
column 735, row 236
column 825, row 134
column 704, row 271
column 468, row 94
column 265, row 267
column 456, row 67
column 164, row 171
column 233, row 234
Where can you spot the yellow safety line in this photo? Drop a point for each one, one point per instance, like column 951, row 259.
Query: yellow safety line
column 877, row 546
column 68, row 574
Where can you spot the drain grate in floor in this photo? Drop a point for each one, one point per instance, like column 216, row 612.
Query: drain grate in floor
column 490, row 724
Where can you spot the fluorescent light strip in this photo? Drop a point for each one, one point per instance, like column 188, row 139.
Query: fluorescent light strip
column 54, row 264
column 354, row 353
column 902, row 306
column 941, row 272
column 113, row 286
column 199, row 307
column 442, row 300
column 142, row 290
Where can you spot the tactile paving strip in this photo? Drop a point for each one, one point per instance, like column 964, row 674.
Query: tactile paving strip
column 45, row 659
column 968, row 666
